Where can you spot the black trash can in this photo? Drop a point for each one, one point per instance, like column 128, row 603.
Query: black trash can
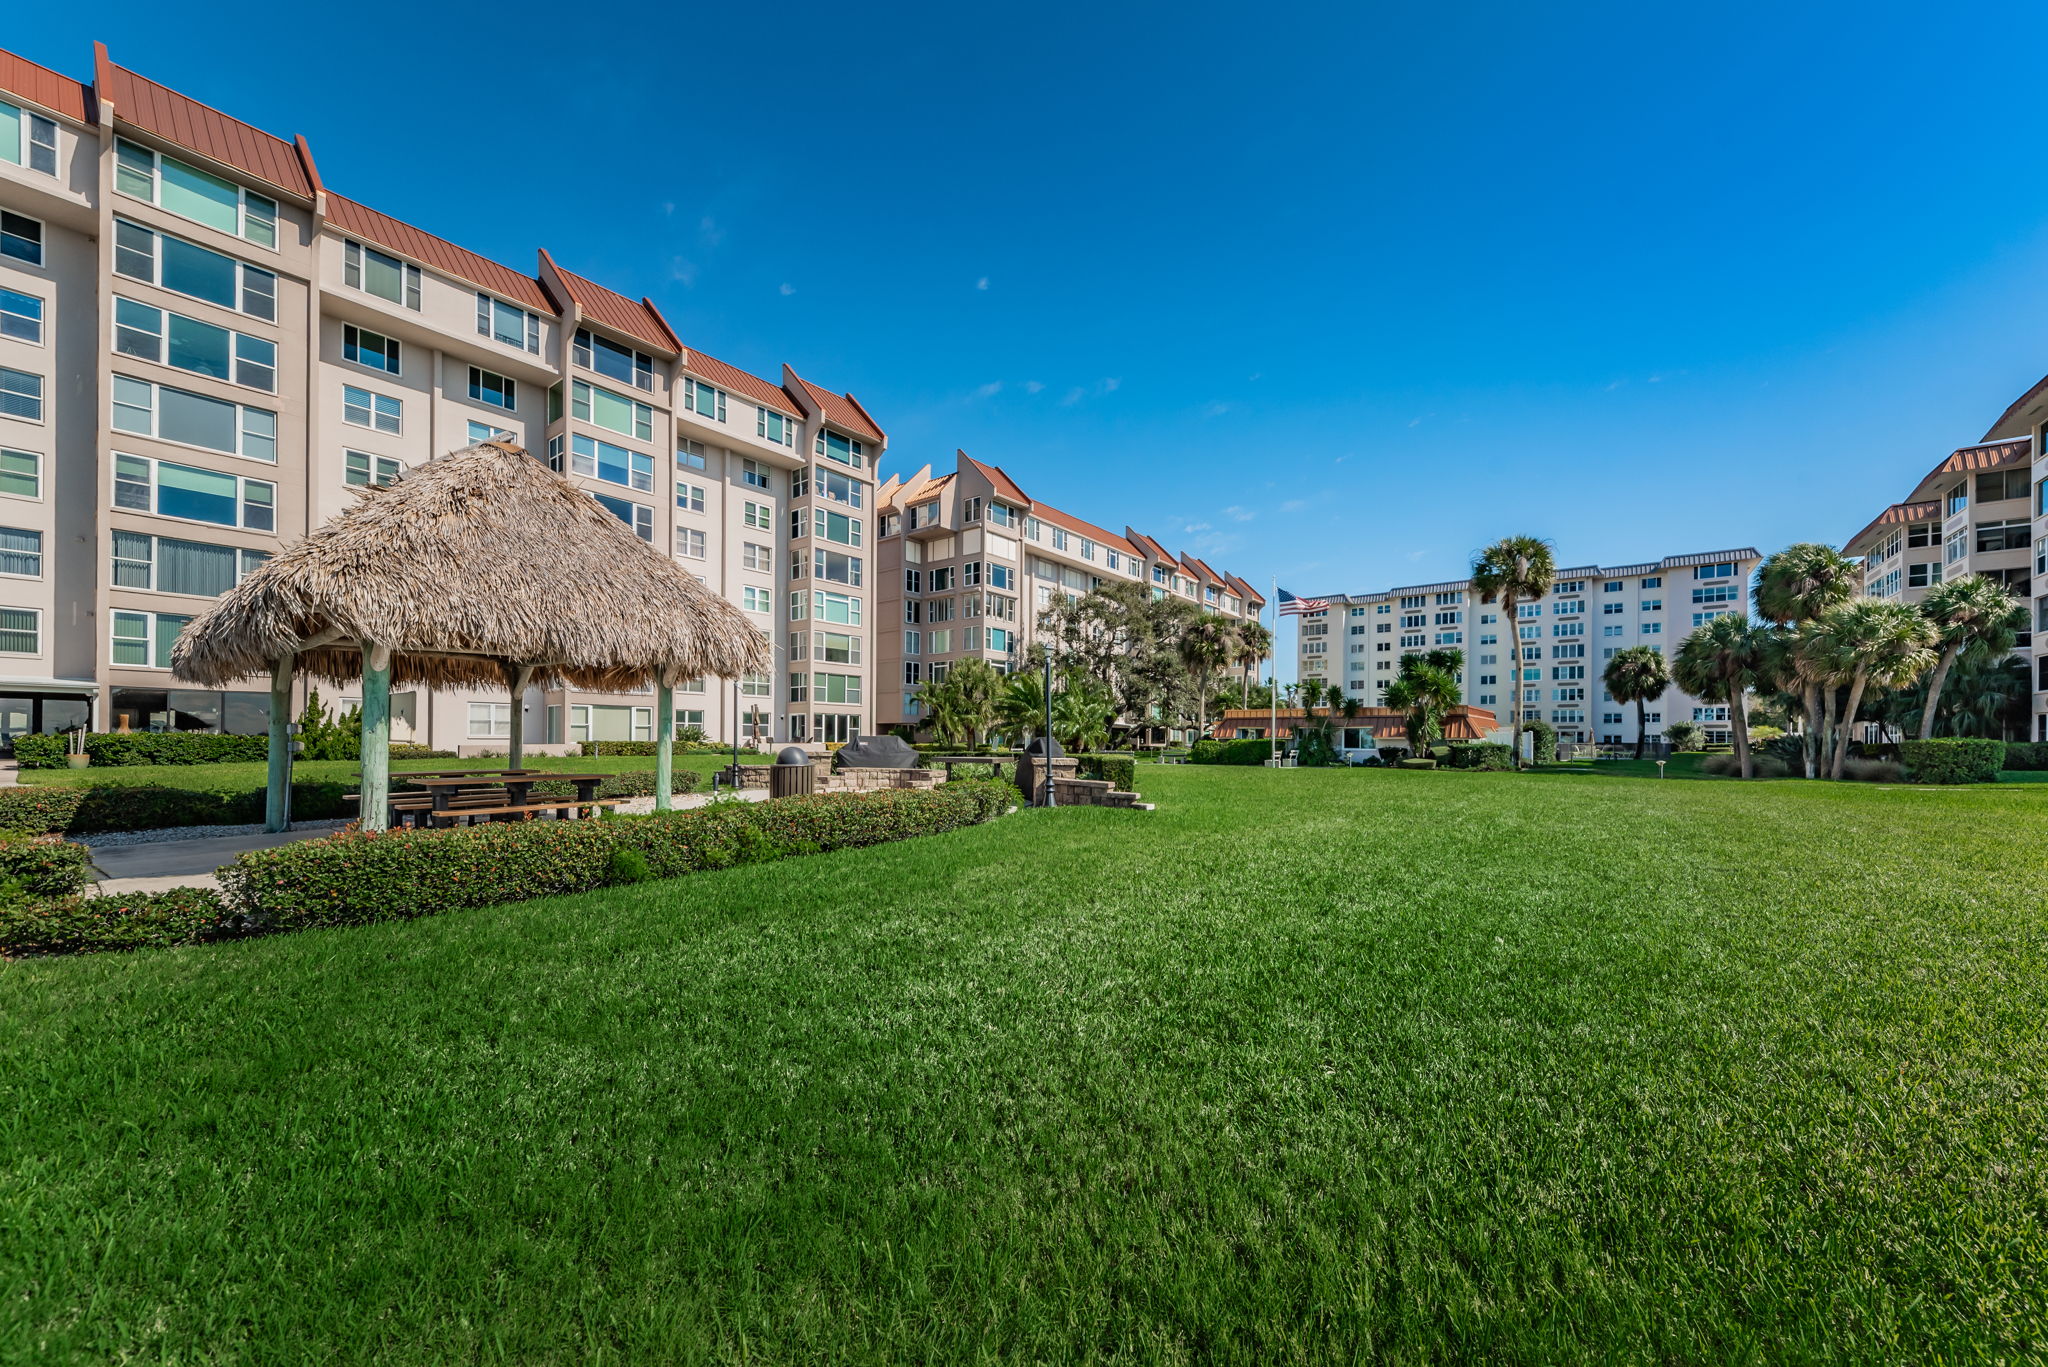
column 792, row 774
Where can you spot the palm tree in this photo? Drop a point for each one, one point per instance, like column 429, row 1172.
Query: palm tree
column 1637, row 674
column 1020, row 707
column 1984, row 694
column 1511, row 570
column 1207, row 645
column 1720, row 662
column 1254, row 643
column 963, row 704
column 1426, row 689
column 1964, row 612
column 1081, row 712
column 1793, row 588
column 1870, row 640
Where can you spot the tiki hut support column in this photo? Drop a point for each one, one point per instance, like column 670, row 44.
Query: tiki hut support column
column 664, row 744
column 277, row 796
column 515, row 752
column 376, row 798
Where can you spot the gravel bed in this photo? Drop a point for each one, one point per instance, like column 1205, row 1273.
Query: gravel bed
column 100, row 838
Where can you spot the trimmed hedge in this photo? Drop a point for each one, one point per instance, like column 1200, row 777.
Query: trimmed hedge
column 143, row 920
column 2028, row 755
column 1230, row 752
column 1121, row 771
column 66, row 810
column 1480, row 754
column 354, row 878
column 109, row 748
column 645, row 748
column 1952, row 760
column 43, row 866
column 1762, row 765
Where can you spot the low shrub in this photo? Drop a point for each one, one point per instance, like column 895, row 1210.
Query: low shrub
column 141, row 920
column 1873, row 771
column 628, row 866
column 1416, row 764
column 407, row 750
column 109, row 748
column 1230, row 752
column 689, row 741
column 83, row 810
column 1952, row 760
column 633, row 783
column 43, row 865
column 1730, row 766
column 1545, row 748
column 939, row 747
column 1120, row 771
column 1682, row 736
column 2026, row 755
column 356, row 877
column 41, row 752
column 1479, row 754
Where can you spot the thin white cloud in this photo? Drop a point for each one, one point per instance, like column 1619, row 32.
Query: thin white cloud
column 787, row 289
column 1110, row 386
column 1073, row 396
column 1237, row 514
column 1194, row 527
column 989, row 390
column 683, row 271
column 1417, row 555
column 1215, row 408
column 708, row 231
column 1033, row 386
column 1294, row 505
column 982, row 283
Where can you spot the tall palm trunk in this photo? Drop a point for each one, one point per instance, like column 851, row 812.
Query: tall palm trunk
column 1513, row 633
column 1814, row 737
column 1738, row 726
column 1641, row 723
column 1934, row 686
column 1827, row 731
column 1848, row 720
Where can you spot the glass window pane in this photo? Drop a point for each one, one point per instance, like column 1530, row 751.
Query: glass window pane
column 191, row 193
column 198, row 272
column 203, row 495
column 20, row 474
column 194, row 567
column 199, row 347
column 195, row 419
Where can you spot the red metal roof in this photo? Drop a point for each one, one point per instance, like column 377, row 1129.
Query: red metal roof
column 1203, row 570
column 360, row 220
column 732, row 377
column 841, row 410
column 1244, row 590
column 1150, row 548
column 39, row 85
column 1973, row 459
column 1898, row 515
column 187, row 123
column 997, row 478
column 2016, row 419
column 1045, row 512
column 609, row 308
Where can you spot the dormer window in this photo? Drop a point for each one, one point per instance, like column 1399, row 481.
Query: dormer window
column 621, row 363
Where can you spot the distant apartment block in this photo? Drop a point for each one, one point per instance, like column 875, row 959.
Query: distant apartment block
column 1554, row 650
column 967, row 562
column 205, row 350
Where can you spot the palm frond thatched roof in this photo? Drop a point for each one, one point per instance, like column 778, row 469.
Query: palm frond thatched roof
column 473, row 565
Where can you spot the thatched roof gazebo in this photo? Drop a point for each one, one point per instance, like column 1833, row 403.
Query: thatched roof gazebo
column 481, row 568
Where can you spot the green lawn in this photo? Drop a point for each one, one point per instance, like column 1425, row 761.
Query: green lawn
column 1304, row 1066
column 235, row 778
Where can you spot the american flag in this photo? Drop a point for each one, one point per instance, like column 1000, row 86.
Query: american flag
column 1290, row 606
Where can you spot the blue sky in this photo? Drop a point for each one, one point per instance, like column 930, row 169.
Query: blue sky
column 1336, row 294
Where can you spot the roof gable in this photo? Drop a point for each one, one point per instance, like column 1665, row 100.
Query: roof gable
column 360, row 220
column 186, row 123
column 39, row 85
column 706, row 367
column 841, row 410
column 608, row 308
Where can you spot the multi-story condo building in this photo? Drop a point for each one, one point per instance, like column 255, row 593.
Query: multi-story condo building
column 1971, row 514
column 1557, row 645
column 2023, row 423
column 205, row 352
column 967, row 561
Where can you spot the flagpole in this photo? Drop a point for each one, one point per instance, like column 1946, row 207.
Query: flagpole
column 1273, row 678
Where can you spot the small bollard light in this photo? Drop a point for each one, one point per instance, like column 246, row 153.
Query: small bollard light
column 1660, row 768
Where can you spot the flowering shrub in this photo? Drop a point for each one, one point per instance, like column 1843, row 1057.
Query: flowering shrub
column 44, row 866
column 77, row 925
column 354, row 878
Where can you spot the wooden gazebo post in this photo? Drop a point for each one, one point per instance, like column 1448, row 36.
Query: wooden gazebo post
column 664, row 742
column 277, row 792
column 515, row 749
column 375, row 812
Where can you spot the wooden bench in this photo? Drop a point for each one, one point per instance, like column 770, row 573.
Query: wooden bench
column 526, row 811
column 1173, row 757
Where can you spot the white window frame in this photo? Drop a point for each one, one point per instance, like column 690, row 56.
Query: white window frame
column 248, row 278
column 694, row 392
column 160, row 353
column 479, row 392
column 154, row 485
column 37, row 458
column 584, row 409
column 128, row 154
column 374, row 467
column 40, row 535
column 37, row 396
column 354, row 255
column 243, row 413
column 32, row 333
column 392, row 352
column 244, row 567
column 11, row 229
column 487, row 307
column 373, row 407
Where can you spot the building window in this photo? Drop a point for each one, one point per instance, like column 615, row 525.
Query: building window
column 690, row 543
column 843, row 449
column 21, row 474
column 608, row 358
column 595, row 404
column 489, row 387
column 175, row 415
column 638, row 516
column 754, row 475
column 183, row 491
column 507, row 323
column 490, row 720
column 756, row 599
column 143, row 640
column 2014, row 535
column 483, row 431
column 757, row 557
column 830, row 526
column 166, row 564
column 362, row 408
column 194, row 194
column 21, row 237
column 773, row 426
column 690, row 456
column 596, row 459
column 182, row 267
column 21, row 395
column 373, row 272
column 837, row 567
column 758, row 516
column 21, row 317
column 689, row 497
column 706, row 401
column 360, row 467
column 203, row 348
column 1923, row 576
column 28, row 139
column 840, row 609
column 360, row 346
column 21, row 553
column 1993, row 485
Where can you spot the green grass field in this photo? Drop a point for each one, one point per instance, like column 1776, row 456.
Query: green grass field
column 1305, row 1066
column 235, row 778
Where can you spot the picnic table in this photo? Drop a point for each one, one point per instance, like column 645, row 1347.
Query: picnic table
column 500, row 794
